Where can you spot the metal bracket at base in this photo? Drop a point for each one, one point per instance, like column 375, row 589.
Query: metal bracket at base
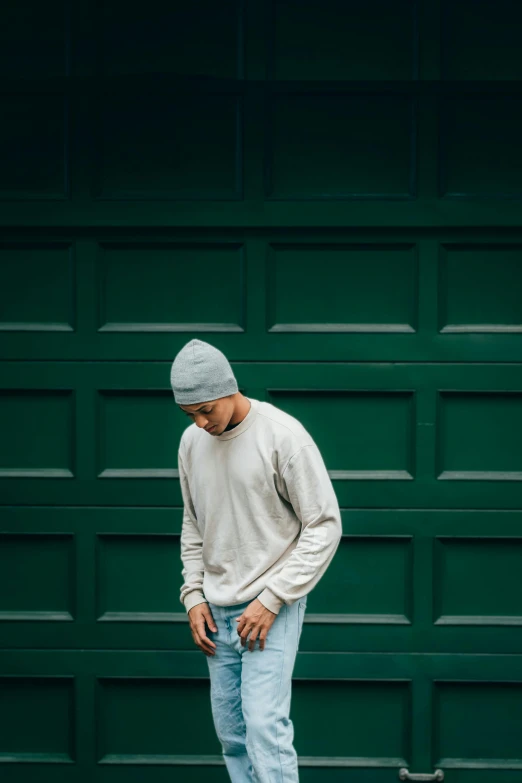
column 404, row 774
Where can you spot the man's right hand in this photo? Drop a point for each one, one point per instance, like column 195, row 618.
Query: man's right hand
column 198, row 616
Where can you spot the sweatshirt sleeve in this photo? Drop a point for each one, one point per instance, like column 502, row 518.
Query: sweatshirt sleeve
column 191, row 547
column 306, row 484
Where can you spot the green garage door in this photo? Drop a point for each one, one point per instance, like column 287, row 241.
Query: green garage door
column 329, row 193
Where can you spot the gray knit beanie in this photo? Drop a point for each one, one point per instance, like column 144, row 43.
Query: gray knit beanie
column 201, row 373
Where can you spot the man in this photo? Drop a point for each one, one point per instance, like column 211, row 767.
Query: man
column 261, row 523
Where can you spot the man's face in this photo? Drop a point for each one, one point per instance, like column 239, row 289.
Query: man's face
column 213, row 416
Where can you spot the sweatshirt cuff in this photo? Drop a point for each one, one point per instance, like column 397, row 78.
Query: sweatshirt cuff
column 193, row 598
column 270, row 600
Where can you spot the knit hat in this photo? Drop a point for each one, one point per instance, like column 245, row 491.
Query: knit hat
column 201, row 373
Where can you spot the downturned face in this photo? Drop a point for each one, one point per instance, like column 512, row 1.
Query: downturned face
column 213, row 416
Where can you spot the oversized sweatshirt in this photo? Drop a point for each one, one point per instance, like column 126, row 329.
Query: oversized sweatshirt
column 260, row 515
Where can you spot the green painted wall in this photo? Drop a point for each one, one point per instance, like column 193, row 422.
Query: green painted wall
column 329, row 193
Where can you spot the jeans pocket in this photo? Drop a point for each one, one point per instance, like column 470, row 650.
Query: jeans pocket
column 301, row 609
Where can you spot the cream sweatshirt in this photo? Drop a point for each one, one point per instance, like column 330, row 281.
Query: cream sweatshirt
column 260, row 517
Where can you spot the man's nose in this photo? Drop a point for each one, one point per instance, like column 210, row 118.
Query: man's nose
column 201, row 422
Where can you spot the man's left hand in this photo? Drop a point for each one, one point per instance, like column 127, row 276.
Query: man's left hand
column 257, row 621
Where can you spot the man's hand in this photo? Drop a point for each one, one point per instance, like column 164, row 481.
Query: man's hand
column 256, row 619
column 198, row 616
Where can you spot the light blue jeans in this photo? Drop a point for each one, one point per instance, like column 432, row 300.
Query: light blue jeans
column 250, row 695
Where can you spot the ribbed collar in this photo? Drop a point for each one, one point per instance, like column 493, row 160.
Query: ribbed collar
column 243, row 425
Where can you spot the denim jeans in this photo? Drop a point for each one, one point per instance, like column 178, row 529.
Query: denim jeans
column 250, row 695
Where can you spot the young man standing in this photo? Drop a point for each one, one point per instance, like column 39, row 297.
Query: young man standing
column 261, row 523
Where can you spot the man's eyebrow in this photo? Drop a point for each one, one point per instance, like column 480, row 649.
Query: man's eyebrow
column 197, row 409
